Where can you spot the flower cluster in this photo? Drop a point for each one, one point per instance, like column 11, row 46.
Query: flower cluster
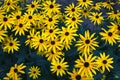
column 64, row 42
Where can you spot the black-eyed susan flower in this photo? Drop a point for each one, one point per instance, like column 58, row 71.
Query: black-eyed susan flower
column 34, row 72
column 114, row 15
column 109, row 36
column 59, row 67
column 16, row 70
column 105, row 62
column 52, row 32
column 51, row 20
column 9, row 77
column 39, row 42
column 34, row 6
column 6, row 22
column 87, row 43
column 87, row 65
column 108, row 5
column 75, row 75
column 85, row 3
column 68, row 34
column 96, row 18
column 9, row 5
column 85, row 13
column 73, row 21
column 20, row 27
column 30, row 18
column 96, row 6
column 53, row 55
column 72, row 10
column 51, row 7
column 10, row 44
column 2, row 34
column 55, row 45
column 115, row 26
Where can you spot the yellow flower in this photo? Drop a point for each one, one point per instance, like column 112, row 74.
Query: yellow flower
column 59, row 67
column 108, row 5
column 114, row 15
column 34, row 6
column 96, row 6
column 10, row 44
column 104, row 62
column 39, row 42
column 87, row 65
column 85, row 3
column 2, row 34
column 73, row 21
column 86, row 12
column 87, row 43
column 75, row 75
column 34, row 72
column 68, row 34
column 51, row 7
column 9, row 4
column 9, row 77
column 16, row 70
column 115, row 26
column 55, row 45
column 53, row 56
column 109, row 36
column 96, row 18
column 6, row 22
column 72, row 10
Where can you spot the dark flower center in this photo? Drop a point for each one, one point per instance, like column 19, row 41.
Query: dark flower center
column 41, row 41
column 20, row 25
column 118, row 27
column 97, row 16
column 30, row 17
column 18, row 17
column 11, row 44
column 87, row 41
column 110, row 34
column 5, row 19
column 108, row 2
column 58, row 67
column 32, row 26
column 50, row 19
column 34, row 72
column 73, row 9
column 32, row 6
column 73, row 19
column 15, row 70
column 51, row 6
column 52, row 42
column 51, row 31
column 67, row 33
column 86, row 64
column 84, row 0
column 85, row 11
column 78, row 77
column 8, row 3
column 104, row 61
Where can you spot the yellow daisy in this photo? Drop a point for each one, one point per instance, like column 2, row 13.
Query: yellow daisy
column 73, row 21
column 87, row 43
column 105, row 61
column 39, row 42
column 34, row 6
column 53, row 56
column 75, row 75
column 108, row 5
column 20, row 28
column 96, row 18
column 72, row 10
column 85, row 3
column 87, row 65
column 115, row 26
column 68, row 34
column 114, row 15
column 59, row 67
column 85, row 13
column 6, row 22
column 2, row 34
column 51, row 7
column 34, row 72
column 109, row 36
column 9, row 77
column 96, row 6
column 10, row 44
